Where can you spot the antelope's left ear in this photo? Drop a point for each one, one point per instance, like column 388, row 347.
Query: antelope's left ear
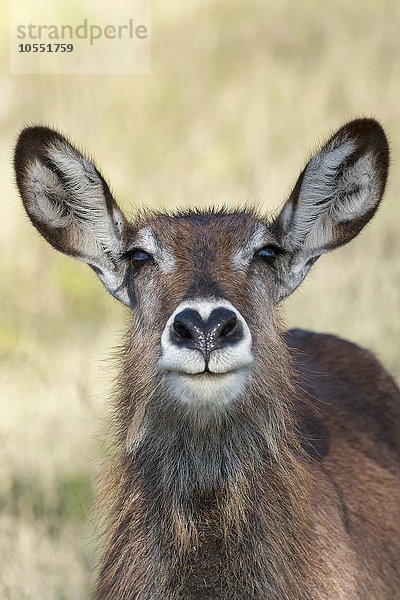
column 337, row 194
column 70, row 204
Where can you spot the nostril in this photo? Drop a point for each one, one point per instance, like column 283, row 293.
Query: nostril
column 229, row 328
column 223, row 328
column 182, row 331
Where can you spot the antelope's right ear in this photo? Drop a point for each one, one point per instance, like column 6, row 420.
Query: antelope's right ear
column 336, row 195
column 70, row 204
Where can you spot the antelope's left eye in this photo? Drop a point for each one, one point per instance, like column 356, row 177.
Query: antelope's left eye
column 138, row 257
column 268, row 254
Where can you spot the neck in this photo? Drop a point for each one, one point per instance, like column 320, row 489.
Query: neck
column 217, row 511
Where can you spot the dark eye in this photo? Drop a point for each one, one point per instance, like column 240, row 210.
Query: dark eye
column 269, row 253
column 138, row 257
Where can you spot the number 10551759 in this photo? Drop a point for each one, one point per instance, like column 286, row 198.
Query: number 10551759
column 45, row 47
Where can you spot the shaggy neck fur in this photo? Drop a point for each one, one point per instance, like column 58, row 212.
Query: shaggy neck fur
column 216, row 509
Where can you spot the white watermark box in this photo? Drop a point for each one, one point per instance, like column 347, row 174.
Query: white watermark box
column 71, row 37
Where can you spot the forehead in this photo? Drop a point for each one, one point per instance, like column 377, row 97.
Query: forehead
column 213, row 231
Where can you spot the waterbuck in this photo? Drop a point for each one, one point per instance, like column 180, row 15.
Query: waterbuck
column 250, row 463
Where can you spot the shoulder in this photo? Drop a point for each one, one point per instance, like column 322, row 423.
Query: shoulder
column 301, row 338
column 333, row 352
column 346, row 383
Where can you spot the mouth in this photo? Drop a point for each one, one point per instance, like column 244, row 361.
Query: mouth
column 206, row 388
column 206, row 354
column 200, row 374
column 211, row 374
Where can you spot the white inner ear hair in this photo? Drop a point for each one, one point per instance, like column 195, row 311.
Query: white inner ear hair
column 76, row 202
column 328, row 197
column 46, row 196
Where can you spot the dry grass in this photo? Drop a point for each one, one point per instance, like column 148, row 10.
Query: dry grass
column 238, row 95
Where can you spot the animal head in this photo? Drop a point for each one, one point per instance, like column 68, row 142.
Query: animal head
column 203, row 286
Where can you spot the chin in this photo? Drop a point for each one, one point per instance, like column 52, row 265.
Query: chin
column 206, row 392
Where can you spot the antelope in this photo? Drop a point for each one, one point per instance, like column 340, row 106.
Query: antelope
column 250, row 462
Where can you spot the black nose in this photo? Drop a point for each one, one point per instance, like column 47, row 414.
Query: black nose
column 221, row 329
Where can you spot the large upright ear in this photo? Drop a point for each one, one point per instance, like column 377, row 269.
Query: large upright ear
column 337, row 193
column 70, row 204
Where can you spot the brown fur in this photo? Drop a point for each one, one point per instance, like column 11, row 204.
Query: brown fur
column 292, row 491
column 236, row 508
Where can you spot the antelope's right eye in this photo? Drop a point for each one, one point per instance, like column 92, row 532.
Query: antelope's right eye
column 269, row 254
column 138, row 257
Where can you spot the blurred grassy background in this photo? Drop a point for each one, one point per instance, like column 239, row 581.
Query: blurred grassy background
column 238, row 96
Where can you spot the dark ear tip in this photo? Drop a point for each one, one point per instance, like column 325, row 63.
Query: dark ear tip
column 31, row 142
column 368, row 127
column 370, row 135
column 34, row 135
column 369, row 132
